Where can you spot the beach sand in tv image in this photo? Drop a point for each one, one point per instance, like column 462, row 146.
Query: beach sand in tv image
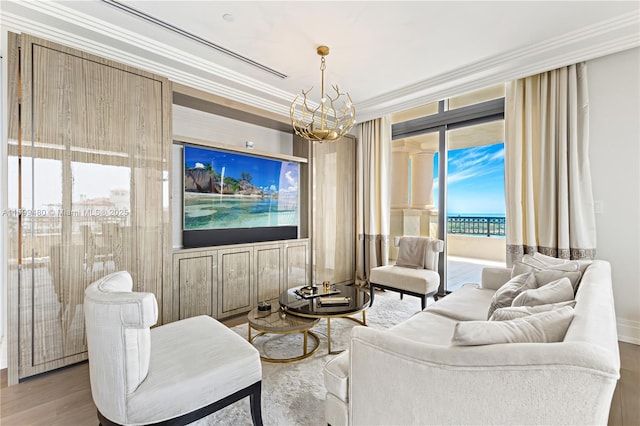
column 224, row 190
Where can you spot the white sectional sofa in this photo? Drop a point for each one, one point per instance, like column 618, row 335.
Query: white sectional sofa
column 413, row 374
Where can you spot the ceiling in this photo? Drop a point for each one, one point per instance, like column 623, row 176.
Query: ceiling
column 389, row 55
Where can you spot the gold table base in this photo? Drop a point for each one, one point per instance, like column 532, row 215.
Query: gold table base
column 347, row 315
column 299, row 328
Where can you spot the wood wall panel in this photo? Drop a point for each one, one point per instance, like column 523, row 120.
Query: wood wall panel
column 334, row 198
column 297, row 264
column 94, row 158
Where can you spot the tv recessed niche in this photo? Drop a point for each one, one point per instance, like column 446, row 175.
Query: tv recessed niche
column 233, row 198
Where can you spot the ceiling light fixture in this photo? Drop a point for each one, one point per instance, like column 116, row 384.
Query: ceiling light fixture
column 331, row 119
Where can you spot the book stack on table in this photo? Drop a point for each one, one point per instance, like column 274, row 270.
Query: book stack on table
column 334, row 300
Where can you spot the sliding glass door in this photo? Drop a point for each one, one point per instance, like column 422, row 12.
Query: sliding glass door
column 451, row 162
column 475, row 206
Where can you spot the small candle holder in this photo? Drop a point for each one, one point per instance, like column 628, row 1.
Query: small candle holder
column 264, row 306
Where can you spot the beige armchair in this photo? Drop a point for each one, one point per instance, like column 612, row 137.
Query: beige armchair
column 173, row 374
column 415, row 272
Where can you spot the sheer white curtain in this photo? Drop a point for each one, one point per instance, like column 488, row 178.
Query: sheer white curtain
column 547, row 172
column 372, row 204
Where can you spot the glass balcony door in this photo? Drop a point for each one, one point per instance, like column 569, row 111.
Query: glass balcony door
column 452, row 163
column 475, row 202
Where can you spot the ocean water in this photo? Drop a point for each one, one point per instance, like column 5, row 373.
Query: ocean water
column 214, row 211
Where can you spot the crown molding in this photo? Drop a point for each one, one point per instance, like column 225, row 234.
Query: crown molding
column 191, row 70
column 603, row 38
column 124, row 36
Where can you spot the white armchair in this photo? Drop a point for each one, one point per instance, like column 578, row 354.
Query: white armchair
column 173, row 374
column 419, row 277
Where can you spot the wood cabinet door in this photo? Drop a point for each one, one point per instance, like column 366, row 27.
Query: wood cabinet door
column 195, row 290
column 235, row 281
column 268, row 271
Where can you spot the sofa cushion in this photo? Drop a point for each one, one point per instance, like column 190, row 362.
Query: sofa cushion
column 554, row 292
column 426, row 327
column 504, row 295
column 469, row 302
column 513, row 312
column 336, row 376
column 544, row 327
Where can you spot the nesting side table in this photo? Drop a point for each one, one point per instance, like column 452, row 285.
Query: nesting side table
column 278, row 322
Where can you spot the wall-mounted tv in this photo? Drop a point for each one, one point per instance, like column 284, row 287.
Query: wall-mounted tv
column 233, row 198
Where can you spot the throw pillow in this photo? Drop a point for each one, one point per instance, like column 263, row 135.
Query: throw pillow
column 549, row 275
column 554, row 292
column 583, row 264
column 504, row 295
column 544, row 327
column 513, row 312
column 528, row 264
column 548, row 260
column 411, row 252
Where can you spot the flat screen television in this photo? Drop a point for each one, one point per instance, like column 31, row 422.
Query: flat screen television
column 233, row 198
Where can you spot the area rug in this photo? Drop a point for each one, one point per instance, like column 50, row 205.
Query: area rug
column 293, row 393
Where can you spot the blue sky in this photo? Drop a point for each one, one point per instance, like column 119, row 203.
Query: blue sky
column 265, row 173
column 476, row 180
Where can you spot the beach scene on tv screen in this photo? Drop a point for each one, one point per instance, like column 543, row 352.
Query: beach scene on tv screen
column 224, row 190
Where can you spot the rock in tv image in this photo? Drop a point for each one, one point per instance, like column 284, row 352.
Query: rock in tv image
column 226, row 190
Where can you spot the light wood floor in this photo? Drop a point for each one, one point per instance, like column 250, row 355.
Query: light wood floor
column 63, row 397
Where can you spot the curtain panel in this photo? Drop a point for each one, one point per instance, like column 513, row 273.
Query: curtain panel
column 372, row 193
column 547, row 174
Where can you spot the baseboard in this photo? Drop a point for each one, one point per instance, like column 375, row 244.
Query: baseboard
column 628, row 331
column 3, row 352
column 3, row 378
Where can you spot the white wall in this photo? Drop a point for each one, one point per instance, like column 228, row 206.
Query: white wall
column 614, row 107
column 215, row 128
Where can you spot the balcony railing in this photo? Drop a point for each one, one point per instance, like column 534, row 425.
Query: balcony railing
column 476, row 225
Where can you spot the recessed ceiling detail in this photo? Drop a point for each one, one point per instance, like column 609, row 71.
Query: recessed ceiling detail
column 135, row 12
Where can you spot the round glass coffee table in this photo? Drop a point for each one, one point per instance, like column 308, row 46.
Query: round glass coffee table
column 278, row 322
column 345, row 301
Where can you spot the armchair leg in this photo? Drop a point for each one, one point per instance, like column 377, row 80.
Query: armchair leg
column 255, row 400
column 254, row 392
column 372, row 290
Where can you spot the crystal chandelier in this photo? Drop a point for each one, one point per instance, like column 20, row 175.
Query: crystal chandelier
column 331, row 119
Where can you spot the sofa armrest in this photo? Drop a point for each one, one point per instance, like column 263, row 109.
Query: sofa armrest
column 495, row 383
column 495, row 277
